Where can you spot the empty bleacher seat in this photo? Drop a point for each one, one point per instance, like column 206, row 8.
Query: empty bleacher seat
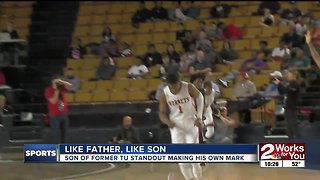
column 153, row 84
column 83, row 97
column 121, row 84
column 137, row 95
column 118, row 96
column 100, row 96
column 138, row 84
column 104, row 85
column 88, row 85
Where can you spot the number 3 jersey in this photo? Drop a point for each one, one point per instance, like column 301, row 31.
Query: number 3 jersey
column 181, row 106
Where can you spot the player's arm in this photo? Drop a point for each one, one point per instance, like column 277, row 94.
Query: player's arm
column 197, row 96
column 163, row 113
column 314, row 53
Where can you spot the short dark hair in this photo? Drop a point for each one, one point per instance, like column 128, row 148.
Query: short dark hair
column 172, row 78
column 264, row 42
column 197, row 76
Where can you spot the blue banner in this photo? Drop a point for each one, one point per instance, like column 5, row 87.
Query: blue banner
column 40, row 153
column 158, row 149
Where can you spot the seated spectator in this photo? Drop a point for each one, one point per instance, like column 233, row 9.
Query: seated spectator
column 125, row 50
column 172, row 53
column 177, row 14
column 169, row 66
column 227, row 52
column 274, row 6
column 190, row 10
column 152, row 57
column 265, row 51
column 292, row 39
column 70, row 78
column 281, row 53
column 141, row 15
column 230, row 32
column 200, row 65
column 209, row 77
column 159, row 13
column 139, row 70
column 203, row 42
column 220, row 10
column 128, row 133
column 300, row 61
column 244, row 88
column 11, row 30
column 181, row 33
column 192, row 52
column 109, row 48
column 184, row 64
column 202, row 28
column 267, row 19
column 106, row 69
column 107, row 35
column 213, row 33
column 77, row 50
column 289, row 16
column 302, row 26
column 253, row 65
column 272, row 89
column 188, row 42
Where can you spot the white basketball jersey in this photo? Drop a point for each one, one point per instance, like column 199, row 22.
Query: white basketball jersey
column 181, row 106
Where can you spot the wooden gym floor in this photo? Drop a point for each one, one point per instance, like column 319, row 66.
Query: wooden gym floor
column 12, row 167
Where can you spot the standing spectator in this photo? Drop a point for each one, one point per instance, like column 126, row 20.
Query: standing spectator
column 265, row 51
column 200, row 65
column 128, row 134
column 230, row 31
column 168, row 66
column 202, row 28
column 227, row 52
column 141, row 15
column 220, row 10
column 107, row 35
column 203, row 42
column 58, row 108
column 181, row 33
column 267, row 19
column 184, row 64
column 290, row 88
column 70, row 78
column 191, row 10
column 244, row 89
column 274, row 6
column 281, row 53
column 77, row 50
column 213, row 33
column 139, row 70
column 159, row 13
column 172, row 53
column 152, row 57
column 106, row 69
column 253, row 65
column 289, row 16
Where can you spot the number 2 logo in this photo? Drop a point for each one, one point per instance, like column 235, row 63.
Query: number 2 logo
column 267, row 154
column 180, row 109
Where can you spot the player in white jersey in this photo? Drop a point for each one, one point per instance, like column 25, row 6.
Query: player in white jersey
column 177, row 110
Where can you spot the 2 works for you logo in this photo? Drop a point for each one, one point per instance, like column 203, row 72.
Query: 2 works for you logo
column 282, row 151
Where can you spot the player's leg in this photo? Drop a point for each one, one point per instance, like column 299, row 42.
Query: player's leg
column 192, row 137
column 178, row 137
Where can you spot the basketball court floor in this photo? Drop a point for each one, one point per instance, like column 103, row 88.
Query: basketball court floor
column 12, row 167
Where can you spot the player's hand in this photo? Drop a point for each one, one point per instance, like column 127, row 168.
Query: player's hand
column 308, row 37
column 198, row 123
column 171, row 125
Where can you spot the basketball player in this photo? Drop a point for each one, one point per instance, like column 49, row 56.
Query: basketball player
column 177, row 110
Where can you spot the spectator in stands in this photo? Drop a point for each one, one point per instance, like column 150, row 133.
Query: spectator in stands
column 227, row 52
column 125, row 50
column 281, row 53
column 58, row 108
column 181, row 33
column 70, row 77
column 11, row 30
column 230, row 32
column 209, row 77
column 139, row 70
column 289, row 16
column 109, row 49
column 77, row 50
column 107, row 35
column 141, row 15
column 172, row 53
column 244, row 89
column 253, row 65
column 200, row 65
column 265, row 51
column 106, row 69
column 128, row 133
column 302, row 26
column 188, row 42
column 274, row 6
column 203, row 42
column 220, row 10
column 168, row 66
column 300, row 61
column 267, row 19
column 192, row 52
column 202, row 28
column 213, row 33
column 272, row 89
column 152, row 57
column 191, row 10
column 177, row 14
column 292, row 39
column 159, row 13
column 184, row 64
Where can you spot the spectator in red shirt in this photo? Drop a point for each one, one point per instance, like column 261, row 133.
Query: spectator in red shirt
column 58, row 108
column 230, row 32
